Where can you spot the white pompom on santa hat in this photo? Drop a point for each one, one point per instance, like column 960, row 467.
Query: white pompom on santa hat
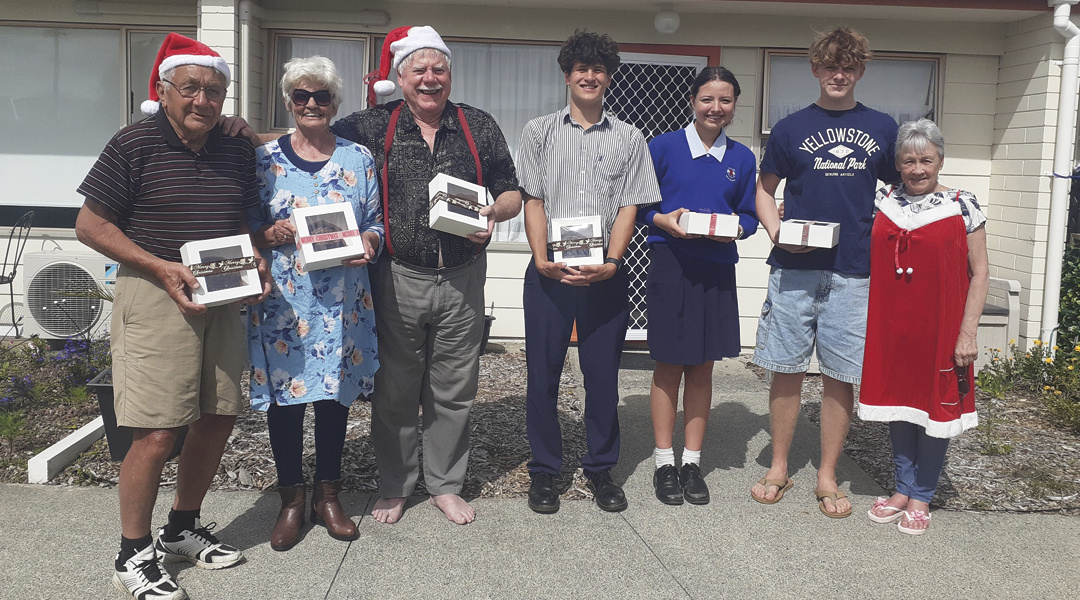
column 397, row 46
column 178, row 50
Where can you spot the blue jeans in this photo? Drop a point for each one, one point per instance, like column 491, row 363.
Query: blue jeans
column 919, row 459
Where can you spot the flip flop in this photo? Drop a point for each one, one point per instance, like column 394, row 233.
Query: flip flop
column 880, row 503
column 834, row 496
column 783, row 484
column 917, row 516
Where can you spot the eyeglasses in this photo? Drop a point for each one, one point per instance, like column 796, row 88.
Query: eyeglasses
column 214, row 93
column 962, row 384
column 300, row 97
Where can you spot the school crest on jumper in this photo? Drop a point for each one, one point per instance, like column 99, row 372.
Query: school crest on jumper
column 731, row 174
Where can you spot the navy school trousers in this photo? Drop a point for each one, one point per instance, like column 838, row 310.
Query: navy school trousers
column 602, row 314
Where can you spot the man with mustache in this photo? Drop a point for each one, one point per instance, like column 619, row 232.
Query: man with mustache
column 429, row 294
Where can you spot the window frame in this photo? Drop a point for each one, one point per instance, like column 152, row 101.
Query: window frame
column 769, row 53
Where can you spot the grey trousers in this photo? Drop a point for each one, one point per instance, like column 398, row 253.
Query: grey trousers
column 430, row 323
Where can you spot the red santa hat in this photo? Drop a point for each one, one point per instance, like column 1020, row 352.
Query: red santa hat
column 398, row 45
column 176, row 51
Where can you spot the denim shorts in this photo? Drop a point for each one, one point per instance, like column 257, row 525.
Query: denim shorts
column 805, row 307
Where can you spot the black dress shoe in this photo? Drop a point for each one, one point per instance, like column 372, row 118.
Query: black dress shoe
column 665, row 481
column 609, row 496
column 693, row 486
column 543, row 497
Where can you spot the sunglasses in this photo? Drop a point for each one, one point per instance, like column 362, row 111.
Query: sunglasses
column 962, row 384
column 301, row 97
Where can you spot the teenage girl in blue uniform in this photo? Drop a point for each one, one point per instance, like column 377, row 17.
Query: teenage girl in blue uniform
column 691, row 292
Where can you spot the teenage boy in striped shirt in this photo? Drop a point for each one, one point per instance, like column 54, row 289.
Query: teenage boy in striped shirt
column 579, row 161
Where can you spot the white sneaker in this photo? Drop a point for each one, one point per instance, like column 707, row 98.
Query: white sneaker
column 198, row 546
column 143, row 578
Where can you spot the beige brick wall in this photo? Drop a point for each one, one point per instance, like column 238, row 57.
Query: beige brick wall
column 1025, row 114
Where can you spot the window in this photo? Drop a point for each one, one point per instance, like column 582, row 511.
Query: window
column 903, row 86
column 349, row 56
column 69, row 95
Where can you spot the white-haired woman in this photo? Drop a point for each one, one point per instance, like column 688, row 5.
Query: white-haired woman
column 312, row 341
column 928, row 282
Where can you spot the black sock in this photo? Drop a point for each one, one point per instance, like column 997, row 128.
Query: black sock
column 180, row 520
column 130, row 547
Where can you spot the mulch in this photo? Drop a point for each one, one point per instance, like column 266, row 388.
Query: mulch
column 1017, row 460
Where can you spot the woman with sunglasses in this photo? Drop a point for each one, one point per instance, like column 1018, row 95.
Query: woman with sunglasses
column 312, row 341
column 928, row 282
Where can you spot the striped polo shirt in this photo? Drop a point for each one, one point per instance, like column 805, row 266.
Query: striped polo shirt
column 165, row 195
column 584, row 172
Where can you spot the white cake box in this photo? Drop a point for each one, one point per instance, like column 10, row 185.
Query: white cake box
column 455, row 205
column 326, row 235
column 225, row 268
column 577, row 241
column 709, row 224
column 816, row 234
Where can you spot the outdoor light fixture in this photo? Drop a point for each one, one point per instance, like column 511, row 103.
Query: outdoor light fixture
column 667, row 20
column 374, row 18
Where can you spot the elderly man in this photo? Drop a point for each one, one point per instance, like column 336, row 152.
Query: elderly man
column 159, row 183
column 429, row 297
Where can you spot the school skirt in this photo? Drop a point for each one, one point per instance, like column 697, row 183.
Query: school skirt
column 693, row 308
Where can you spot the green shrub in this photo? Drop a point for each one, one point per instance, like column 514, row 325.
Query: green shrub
column 1069, row 310
column 1050, row 372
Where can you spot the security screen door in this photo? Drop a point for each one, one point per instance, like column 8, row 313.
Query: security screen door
column 650, row 92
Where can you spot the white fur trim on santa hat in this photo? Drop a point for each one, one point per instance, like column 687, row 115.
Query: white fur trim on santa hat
column 178, row 60
column 420, row 37
column 150, row 107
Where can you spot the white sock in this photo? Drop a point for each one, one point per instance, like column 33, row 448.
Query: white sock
column 664, row 456
column 691, row 457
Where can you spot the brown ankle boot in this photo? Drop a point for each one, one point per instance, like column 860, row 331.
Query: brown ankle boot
column 325, row 507
column 287, row 529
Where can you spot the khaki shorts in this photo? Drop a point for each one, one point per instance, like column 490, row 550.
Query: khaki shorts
column 169, row 369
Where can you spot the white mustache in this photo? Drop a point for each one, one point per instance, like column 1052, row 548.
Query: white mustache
column 429, row 89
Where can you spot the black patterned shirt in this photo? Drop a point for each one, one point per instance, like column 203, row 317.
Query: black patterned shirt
column 413, row 165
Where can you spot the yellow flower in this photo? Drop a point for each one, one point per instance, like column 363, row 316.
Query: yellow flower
column 1057, row 392
column 1046, row 387
column 1038, row 342
column 1076, row 349
column 1070, row 367
column 1014, row 341
column 1049, row 360
column 1056, row 348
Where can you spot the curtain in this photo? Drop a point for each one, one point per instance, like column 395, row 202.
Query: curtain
column 349, row 57
column 904, row 89
column 64, row 98
column 513, row 82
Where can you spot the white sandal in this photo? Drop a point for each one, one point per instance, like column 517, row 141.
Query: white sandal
column 917, row 516
column 880, row 503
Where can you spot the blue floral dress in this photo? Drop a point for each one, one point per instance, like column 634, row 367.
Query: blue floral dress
column 313, row 338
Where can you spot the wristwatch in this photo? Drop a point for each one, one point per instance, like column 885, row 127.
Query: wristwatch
column 618, row 262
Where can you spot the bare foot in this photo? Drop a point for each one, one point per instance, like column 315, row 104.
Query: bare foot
column 388, row 510
column 841, row 505
column 769, row 492
column 455, row 509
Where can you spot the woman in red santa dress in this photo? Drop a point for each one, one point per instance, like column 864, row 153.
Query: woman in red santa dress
column 928, row 282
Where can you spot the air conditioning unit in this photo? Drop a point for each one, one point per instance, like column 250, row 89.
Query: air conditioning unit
column 67, row 294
